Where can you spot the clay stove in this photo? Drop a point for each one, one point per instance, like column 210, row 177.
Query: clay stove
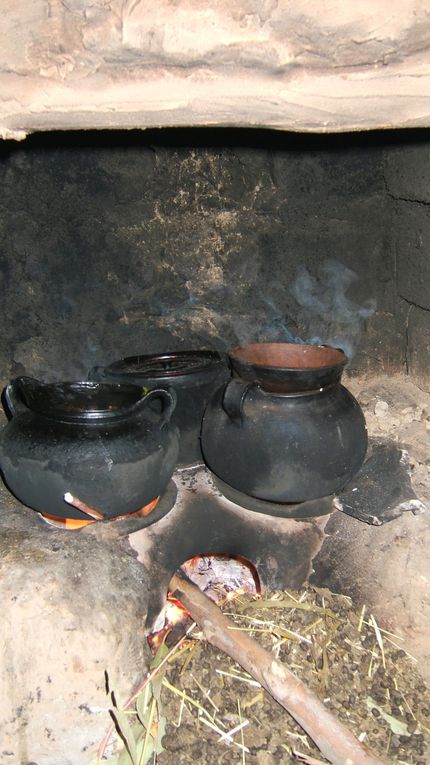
column 203, row 521
column 198, row 516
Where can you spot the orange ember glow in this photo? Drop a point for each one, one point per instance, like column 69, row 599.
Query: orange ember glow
column 174, row 610
column 176, row 618
column 64, row 523
column 221, row 577
column 72, row 524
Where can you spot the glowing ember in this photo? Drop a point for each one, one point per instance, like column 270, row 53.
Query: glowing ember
column 72, row 524
column 174, row 611
column 220, row 577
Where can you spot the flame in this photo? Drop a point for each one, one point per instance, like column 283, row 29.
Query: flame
column 176, row 618
column 221, row 577
column 174, row 611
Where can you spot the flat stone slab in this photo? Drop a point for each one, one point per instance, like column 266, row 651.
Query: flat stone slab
column 284, row 65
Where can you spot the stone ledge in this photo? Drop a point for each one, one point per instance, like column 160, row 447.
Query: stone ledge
column 275, row 65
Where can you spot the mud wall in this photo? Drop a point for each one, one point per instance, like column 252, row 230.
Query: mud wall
column 115, row 243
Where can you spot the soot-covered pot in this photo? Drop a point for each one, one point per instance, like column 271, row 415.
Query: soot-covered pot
column 111, row 446
column 193, row 375
column 284, row 429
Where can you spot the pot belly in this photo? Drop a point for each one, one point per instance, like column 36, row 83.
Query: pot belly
column 287, row 449
column 115, row 476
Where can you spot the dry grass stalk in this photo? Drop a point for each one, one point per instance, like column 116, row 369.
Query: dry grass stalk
column 378, row 638
column 289, row 604
column 141, row 688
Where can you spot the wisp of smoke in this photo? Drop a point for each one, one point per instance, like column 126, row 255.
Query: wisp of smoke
column 326, row 312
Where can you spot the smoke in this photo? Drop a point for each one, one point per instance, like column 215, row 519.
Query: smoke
column 322, row 312
column 326, row 313
column 274, row 323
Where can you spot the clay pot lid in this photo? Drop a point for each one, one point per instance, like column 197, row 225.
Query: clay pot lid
column 168, row 365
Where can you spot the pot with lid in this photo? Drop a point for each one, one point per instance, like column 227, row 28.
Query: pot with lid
column 193, row 375
column 110, row 445
column 284, row 429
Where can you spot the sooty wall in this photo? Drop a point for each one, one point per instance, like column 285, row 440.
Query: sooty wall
column 122, row 243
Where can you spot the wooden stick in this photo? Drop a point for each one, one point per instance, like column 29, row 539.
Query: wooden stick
column 335, row 742
column 91, row 511
column 98, row 516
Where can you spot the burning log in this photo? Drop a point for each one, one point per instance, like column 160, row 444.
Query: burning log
column 333, row 739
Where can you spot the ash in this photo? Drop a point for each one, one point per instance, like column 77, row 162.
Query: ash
column 219, row 576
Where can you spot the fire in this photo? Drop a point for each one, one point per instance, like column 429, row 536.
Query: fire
column 221, row 577
column 171, row 624
column 73, row 524
column 174, row 611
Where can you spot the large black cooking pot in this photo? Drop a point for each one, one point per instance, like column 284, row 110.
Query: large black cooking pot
column 194, row 376
column 111, row 446
column 284, row 429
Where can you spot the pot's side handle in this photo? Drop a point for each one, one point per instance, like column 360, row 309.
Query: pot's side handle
column 168, row 398
column 233, row 398
column 12, row 401
column 96, row 374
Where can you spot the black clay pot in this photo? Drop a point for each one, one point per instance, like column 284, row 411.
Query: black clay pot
column 110, row 446
column 194, row 376
column 285, row 429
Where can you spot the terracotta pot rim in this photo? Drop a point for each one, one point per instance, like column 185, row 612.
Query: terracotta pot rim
column 288, row 356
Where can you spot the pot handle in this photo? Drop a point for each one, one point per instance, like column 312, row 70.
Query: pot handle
column 96, row 374
column 12, row 400
column 168, row 398
column 233, row 398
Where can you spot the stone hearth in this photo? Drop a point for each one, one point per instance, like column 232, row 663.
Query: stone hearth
column 76, row 603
